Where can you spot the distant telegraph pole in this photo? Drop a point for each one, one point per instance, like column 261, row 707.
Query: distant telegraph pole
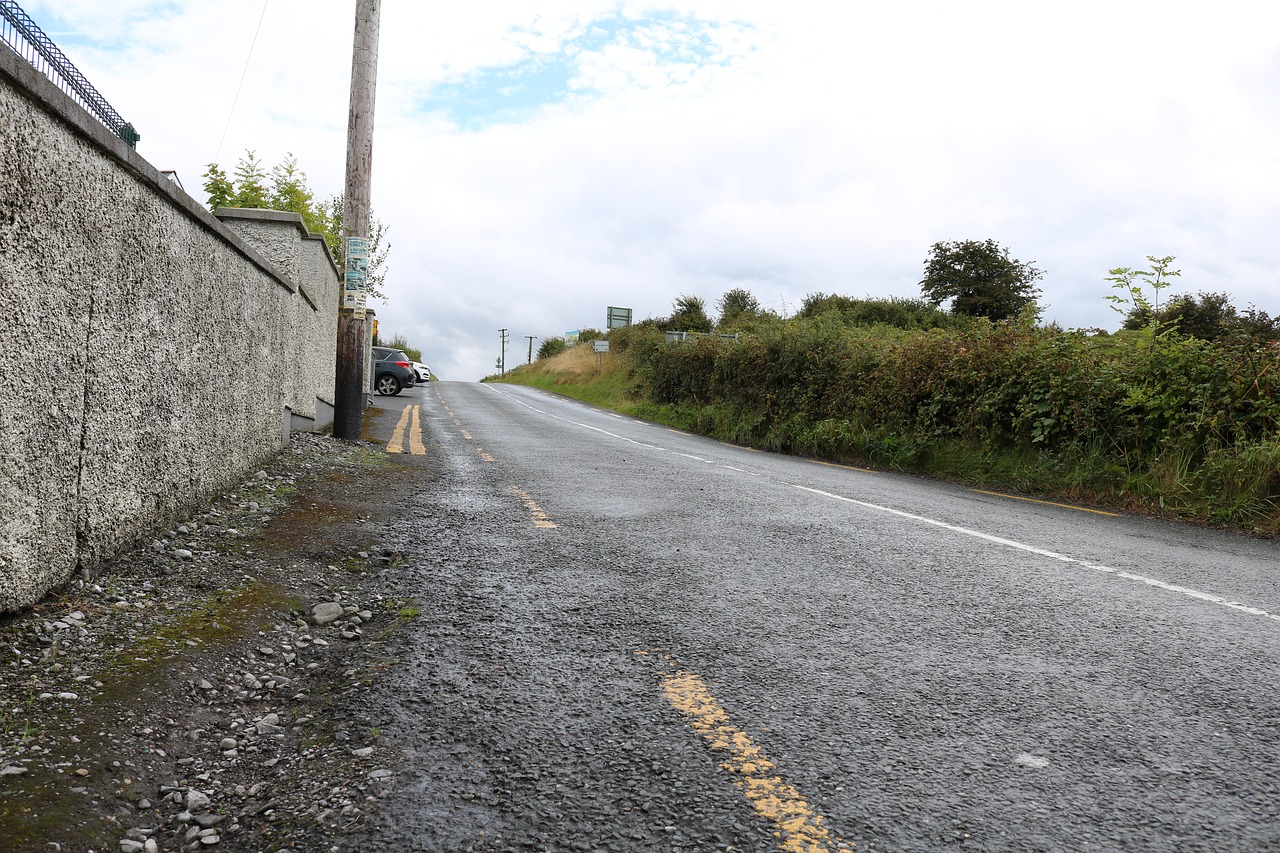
column 348, row 408
column 502, row 362
column 530, row 337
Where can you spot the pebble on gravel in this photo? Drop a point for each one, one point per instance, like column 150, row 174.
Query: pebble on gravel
column 326, row 612
column 229, row 683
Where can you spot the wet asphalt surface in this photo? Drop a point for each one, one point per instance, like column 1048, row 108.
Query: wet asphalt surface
column 636, row 639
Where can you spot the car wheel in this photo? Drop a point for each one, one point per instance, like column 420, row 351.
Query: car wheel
column 387, row 385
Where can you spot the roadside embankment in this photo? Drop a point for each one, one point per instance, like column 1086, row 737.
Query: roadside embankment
column 1160, row 424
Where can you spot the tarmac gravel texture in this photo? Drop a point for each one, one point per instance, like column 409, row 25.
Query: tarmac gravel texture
column 584, row 632
column 921, row 666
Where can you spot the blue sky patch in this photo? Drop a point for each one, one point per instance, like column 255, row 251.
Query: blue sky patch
column 676, row 46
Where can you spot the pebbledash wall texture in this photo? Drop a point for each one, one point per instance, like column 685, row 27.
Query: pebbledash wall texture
column 150, row 354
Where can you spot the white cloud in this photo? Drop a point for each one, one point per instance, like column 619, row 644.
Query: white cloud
column 645, row 150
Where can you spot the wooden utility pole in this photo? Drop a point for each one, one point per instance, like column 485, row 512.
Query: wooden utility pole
column 530, row 337
column 349, row 393
column 502, row 361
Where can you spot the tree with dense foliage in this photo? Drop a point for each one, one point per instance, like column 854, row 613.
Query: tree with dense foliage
column 737, row 305
column 1207, row 316
column 551, row 347
column 286, row 189
column 689, row 314
column 980, row 279
column 892, row 311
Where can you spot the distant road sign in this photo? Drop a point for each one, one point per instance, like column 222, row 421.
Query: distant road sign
column 600, row 346
column 617, row 318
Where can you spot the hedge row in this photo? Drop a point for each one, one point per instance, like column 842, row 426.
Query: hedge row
column 1165, row 422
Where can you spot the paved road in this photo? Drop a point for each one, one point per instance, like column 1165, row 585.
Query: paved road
column 637, row 639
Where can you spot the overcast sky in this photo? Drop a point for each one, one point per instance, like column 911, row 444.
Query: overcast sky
column 537, row 162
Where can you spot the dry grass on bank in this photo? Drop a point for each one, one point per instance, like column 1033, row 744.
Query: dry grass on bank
column 579, row 372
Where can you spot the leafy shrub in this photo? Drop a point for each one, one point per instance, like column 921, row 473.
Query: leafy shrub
column 893, row 311
column 1168, row 422
column 551, row 347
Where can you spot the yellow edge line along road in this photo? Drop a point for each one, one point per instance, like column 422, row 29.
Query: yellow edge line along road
column 1047, row 503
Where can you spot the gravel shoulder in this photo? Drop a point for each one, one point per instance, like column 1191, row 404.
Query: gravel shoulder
column 204, row 690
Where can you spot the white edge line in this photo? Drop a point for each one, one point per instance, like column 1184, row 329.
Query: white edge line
column 977, row 534
column 1053, row 555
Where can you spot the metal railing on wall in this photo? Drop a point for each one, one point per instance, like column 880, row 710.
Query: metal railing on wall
column 22, row 34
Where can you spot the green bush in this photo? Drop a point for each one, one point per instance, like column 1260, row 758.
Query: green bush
column 551, row 347
column 1172, row 423
column 893, row 311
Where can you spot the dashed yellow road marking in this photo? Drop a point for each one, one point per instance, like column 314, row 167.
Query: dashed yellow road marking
column 485, row 456
column 536, row 513
column 1047, row 503
column 467, row 435
column 410, row 422
column 799, row 827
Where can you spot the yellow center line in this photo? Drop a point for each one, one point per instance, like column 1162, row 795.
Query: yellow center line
column 536, row 513
column 799, row 827
column 846, row 467
column 467, row 435
column 1047, row 503
column 485, row 456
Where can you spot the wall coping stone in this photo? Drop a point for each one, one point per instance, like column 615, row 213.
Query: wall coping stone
column 39, row 88
column 268, row 215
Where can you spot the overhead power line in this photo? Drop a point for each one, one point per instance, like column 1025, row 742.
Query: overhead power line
column 243, row 74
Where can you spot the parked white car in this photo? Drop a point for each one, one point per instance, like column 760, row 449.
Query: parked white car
column 423, row 372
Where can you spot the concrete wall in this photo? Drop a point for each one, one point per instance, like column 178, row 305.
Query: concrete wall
column 150, row 356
